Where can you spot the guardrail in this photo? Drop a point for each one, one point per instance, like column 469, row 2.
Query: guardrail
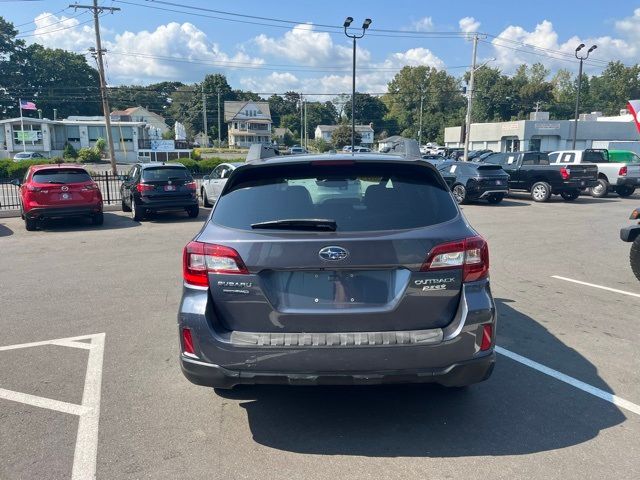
column 108, row 182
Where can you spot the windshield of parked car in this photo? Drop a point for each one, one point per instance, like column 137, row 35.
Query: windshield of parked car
column 61, row 175
column 358, row 197
column 164, row 174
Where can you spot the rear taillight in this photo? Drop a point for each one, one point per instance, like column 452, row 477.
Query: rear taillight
column 487, row 337
column 187, row 342
column 191, row 186
column 623, row 171
column 200, row 259
column 89, row 187
column 144, row 187
column 31, row 188
column 565, row 172
column 471, row 255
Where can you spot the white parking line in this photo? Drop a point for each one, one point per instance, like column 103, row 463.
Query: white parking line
column 86, row 451
column 609, row 289
column 574, row 382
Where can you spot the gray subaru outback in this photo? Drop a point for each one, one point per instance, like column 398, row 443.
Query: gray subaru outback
column 336, row 269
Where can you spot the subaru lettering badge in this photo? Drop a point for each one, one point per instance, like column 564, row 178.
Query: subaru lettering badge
column 333, row 253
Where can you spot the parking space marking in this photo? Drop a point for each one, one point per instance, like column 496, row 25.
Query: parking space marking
column 609, row 289
column 86, row 449
column 574, row 382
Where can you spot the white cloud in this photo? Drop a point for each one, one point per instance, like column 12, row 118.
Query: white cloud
column 146, row 56
column 468, row 24
column 544, row 40
column 303, row 45
column 425, row 24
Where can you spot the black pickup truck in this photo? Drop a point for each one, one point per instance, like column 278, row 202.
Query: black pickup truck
column 532, row 172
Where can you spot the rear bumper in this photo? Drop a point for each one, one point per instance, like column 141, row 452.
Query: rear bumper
column 628, row 182
column 167, row 204
column 463, row 373
column 60, row 212
column 494, row 191
column 451, row 356
column 571, row 185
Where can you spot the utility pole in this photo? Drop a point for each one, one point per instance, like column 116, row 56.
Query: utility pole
column 97, row 10
column 301, row 121
column 219, row 134
column 305, row 125
column 420, row 129
column 204, row 118
column 467, row 125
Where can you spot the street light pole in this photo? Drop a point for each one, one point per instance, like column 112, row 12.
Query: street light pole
column 365, row 25
column 420, row 129
column 467, row 124
column 582, row 59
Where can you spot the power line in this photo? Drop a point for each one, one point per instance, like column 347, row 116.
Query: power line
column 54, row 23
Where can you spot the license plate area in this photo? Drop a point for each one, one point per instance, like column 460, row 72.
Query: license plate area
column 65, row 196
column 332, row 289
column 169, row 188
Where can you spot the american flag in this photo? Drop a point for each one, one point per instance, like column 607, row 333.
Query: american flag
column 25, row 105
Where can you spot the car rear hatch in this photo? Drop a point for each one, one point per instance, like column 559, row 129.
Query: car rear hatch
column 492, row 177
column 633, row 170
column 166, row 183
column 318, row 260
column 63, row 187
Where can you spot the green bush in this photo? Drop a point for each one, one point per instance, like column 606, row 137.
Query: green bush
column 88, row 155
column 101, row 145
column 11, row 169
column 68, row 151
column 4, row 167
column 191, row 165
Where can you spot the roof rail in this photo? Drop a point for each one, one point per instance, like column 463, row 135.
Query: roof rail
column 406, row 147
column 261, row 151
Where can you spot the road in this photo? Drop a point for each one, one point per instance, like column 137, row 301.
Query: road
column 124, row 280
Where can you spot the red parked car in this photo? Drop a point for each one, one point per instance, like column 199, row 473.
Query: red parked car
column 57, row 191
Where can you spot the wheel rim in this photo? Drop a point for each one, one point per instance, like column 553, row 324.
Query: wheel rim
column 458, row 193
column 598, row 189
column 539, row 192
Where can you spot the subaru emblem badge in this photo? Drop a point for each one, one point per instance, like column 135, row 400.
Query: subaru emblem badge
column 333, row 253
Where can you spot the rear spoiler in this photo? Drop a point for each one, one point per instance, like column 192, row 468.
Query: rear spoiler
column 261, row 151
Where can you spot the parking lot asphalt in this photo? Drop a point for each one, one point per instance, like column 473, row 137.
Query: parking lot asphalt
column 123, row 279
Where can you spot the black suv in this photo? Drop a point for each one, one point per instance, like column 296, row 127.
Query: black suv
column 475, row 181
column 151, row 187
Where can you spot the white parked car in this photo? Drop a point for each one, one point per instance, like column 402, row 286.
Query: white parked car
column 623, row 178
column 28, row 156
column 213, row 183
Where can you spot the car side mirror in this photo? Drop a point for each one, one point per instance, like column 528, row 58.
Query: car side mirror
column 16, row 182
column 206, row 177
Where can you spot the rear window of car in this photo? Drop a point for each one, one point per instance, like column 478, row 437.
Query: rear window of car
column 358, row 197
column 61, row 175
column 23, row 155
column 164, row 174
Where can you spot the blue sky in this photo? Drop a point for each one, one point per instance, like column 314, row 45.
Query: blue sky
column 150, row 44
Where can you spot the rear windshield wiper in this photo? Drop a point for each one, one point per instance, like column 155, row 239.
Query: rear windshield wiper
column 56, row 182
column 322, row 224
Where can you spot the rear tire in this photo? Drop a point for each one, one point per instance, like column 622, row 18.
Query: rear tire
column 625, row 191
column 634, row 257
column 97, row 219
column 205, row 199
column 540, row 192
column 459, row 194
column 125, row 208
column 495, row 198
column 570, row 195
column 30, row 224
column 193, row 212
column 601, row 189
column 136, row 215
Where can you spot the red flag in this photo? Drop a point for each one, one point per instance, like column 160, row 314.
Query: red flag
column 634, row 109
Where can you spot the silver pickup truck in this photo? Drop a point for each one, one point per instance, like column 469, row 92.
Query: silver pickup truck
column 620, row 177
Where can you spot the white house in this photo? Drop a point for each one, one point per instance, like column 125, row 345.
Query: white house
column 248, row 122
column 324, row 132
column 141, row 114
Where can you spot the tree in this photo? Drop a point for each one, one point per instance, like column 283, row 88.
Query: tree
column 564, row 95
column 443, row 103
column 281, row 105
column 292, row 122
column 611, row 90
column 155, row 97
column 320, row 113
column 368, row 109
column 341, row 136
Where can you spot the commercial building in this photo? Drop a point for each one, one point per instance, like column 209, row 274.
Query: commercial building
column 541, row 134
column 131, row 140
column 248, row 122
